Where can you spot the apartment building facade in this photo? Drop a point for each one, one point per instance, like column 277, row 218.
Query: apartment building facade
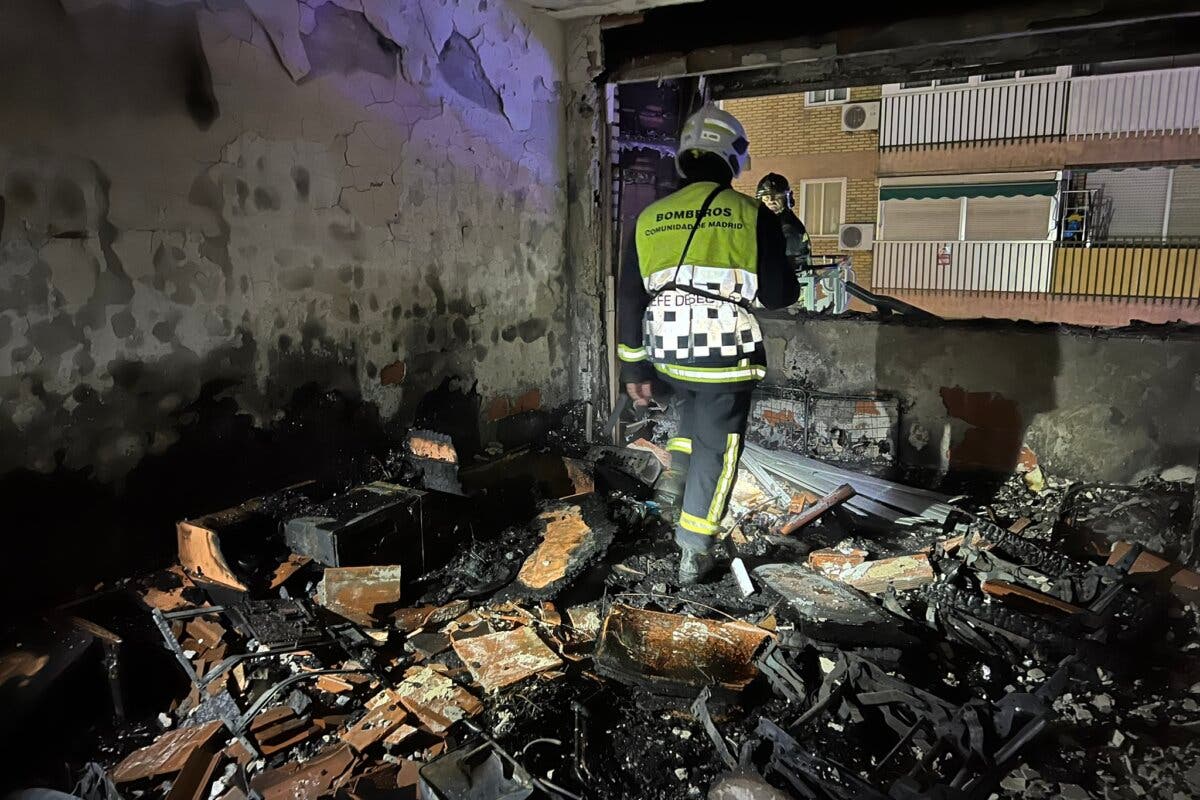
column 1069, row 182
column 833, row 171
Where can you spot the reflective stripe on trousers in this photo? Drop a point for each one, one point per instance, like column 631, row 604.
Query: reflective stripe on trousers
column 712, row 425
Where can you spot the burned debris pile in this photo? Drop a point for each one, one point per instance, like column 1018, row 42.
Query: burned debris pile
column 513, row 628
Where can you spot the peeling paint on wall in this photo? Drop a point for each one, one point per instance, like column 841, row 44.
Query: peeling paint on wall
column 248, row 196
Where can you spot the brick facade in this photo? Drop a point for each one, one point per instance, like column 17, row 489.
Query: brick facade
column 803, row 142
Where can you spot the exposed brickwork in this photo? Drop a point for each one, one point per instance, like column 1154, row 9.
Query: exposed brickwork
column 783, row 125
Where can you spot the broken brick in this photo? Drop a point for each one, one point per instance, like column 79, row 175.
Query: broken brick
column 435, row 700
column 428, row 645
column 585, row 619
column 384, row 715
column 409, row 775
column 401, row 734
column 358, row 593
column 579, row 473
column 1182, row 582
column 279, row 728
column 530, row 401
column 206, row 632
column 314, row 778
column 550, row 615
column 900, row 573
column 196, row 776
column 827, row 560
column 498, row 409
column 662, row 454
column 236, row 751
column 331, row 722
column 408, row 620
column 334, row 684
column 393, row 374
column 802, row 500
column 431, row 446
column 674, row 654
column 505, row 658
column 779, row 417
column 167, row 754
column 169, row 598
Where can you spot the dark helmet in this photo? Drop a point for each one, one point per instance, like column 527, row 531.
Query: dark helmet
column 774, row 183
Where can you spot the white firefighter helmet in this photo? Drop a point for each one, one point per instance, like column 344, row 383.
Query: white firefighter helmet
column 711, row 130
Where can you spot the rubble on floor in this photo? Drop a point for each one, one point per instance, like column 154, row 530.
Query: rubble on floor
column 514, row 628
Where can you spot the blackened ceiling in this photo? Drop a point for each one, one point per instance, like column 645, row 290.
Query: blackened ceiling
column 773, row 49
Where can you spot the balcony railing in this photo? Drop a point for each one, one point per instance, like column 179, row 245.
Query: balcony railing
column 1129, row 269
column 1163, row 101
column 1017, row 267
column 1023, row 110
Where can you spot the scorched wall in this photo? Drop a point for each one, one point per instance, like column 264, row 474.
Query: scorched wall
column 232, row 223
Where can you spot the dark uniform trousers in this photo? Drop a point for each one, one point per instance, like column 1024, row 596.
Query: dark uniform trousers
column 712, row 426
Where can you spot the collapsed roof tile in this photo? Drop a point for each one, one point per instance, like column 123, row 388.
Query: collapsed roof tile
column 314, row 778
column 435, row 699
column 384, row 715
column 899, row 573
column 166, row 755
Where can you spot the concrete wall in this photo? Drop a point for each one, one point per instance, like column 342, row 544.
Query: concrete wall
column 244, row 241
column 1101, row 406
column 370, row 195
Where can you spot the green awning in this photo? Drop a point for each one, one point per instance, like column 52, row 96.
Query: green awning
column 952, row 191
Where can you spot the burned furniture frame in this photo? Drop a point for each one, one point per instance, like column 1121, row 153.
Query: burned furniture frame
column 237, row 723
column 984, row 738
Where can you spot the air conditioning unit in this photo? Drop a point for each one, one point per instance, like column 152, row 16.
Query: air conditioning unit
column 856, row 236
column 860, row 117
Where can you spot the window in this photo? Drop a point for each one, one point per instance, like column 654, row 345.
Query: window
column 1148, row 203
column 973, row 212
column 935, row 83
column 920, row 220
column 977, row 80
column 991, row 219
column 823, row 206
column 1021, row 73
column 825, row 97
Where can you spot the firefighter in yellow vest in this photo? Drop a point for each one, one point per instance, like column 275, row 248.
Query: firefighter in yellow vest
column 697, row 264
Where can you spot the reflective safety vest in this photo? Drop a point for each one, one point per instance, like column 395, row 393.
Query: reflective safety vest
column 687, row 336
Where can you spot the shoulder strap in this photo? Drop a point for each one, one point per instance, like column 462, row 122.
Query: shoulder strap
column 695, row 226
column 673, row 284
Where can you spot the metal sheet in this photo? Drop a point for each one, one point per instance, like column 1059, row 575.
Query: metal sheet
column 676, row 654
